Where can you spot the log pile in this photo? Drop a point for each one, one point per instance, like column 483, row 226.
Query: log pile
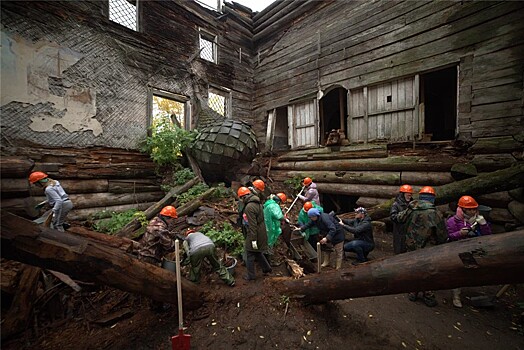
column 96, row 179
column 370, row 175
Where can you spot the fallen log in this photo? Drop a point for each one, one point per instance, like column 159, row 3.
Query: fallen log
column 127, row 230
column 486, row 260
column 124, row 244
column 496, row 181
column 18, row 316
column 104, row 212
column 87, row 260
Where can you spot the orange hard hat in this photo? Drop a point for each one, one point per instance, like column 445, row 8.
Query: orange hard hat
column 259, row 185
column 468, row 202
column 428, row 190
column 36, row 176
column 307, row 206
column 406, row 189
column 169, row 211
column 242, row 191
column 282, row 197
column 307, row 181
column 189, row 230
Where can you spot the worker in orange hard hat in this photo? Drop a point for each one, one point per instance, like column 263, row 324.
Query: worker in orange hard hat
column 402, row 201
column 254, row 229
column 467, row 222
column 273, row 217
column 158, row 239
column 424, row 227
column 311, row 234
column 258, row 187
column 311, row 194
column 56, row 197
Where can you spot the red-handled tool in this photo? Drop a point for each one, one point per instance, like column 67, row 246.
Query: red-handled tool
column 181, row 341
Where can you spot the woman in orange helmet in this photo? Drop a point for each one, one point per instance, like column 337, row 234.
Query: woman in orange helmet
column 311, row 194
column 467, row 222
column 56, row 197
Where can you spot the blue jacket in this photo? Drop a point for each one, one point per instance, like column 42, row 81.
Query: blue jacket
column 327, row 226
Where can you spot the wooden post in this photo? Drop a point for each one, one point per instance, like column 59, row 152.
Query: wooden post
column 319, row 257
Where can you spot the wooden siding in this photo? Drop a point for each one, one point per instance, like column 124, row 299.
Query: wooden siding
column 364, row 43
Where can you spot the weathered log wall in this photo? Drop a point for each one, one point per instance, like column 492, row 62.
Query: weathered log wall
column 78, row 79
column 96, row 179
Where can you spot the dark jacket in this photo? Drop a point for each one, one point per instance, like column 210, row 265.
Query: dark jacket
column 327, row 226
column 399, row 205
column 360, row 228
column 253, row 225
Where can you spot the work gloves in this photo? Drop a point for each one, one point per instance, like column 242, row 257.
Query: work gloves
column 254, row 245
column 40, row 205
column 480, row 220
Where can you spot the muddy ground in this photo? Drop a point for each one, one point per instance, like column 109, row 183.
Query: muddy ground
column 251, row 316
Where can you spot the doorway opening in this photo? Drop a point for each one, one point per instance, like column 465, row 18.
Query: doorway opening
column 333, row 113
column 280, row 136
column 439, row 96
column 338, row 203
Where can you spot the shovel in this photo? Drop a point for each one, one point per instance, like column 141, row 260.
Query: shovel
column 45, row 219
column 181, row 341
column 292, row 204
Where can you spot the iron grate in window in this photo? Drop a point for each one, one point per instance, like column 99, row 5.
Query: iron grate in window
column 208, row 47
column 123, row 12
column 217, row 103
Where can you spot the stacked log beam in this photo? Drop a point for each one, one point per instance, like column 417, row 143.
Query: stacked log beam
column 96, row 179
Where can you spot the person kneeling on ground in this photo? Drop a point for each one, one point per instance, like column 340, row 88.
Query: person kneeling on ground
column 199, row 247
column 362, row 230
column 158, row 239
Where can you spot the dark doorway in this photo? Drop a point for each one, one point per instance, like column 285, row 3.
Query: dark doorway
column 280, row 136
column 333, row 113
column 338, row 203
column 439, row 95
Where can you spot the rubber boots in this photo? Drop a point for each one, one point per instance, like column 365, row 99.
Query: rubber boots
column 456, row 298
column 325, row 259
column 339, row 263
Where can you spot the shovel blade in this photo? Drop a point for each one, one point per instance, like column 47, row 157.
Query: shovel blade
column 181, row 341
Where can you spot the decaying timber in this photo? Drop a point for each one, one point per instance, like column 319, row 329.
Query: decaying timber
column 494, row 259
column 89, row 260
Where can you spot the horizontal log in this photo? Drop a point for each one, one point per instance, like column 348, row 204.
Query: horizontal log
column 17, row 167
column 394, row 163
column 486, row 260
column 377, row 191
column 88, row 260
column 503, row 144
column 516, row 209
column 124, row 244
column 75, row 186
column 104, row 212
column 491, row 162
column 95, row 200
column 132, row 185
column 495, row 199
column 369, row 177
column 11, row 187
column 368, row 202
column 375, row 153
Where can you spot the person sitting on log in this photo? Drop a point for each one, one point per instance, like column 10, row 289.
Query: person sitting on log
column 311, row 194
column 333, row 234
column 362, row 230
column 466, row 223
column 424, row 227
column 56, row 197
column 158, row 239
column 199, row 247
column 311, row 234
column 273, row 218
column 402, row 200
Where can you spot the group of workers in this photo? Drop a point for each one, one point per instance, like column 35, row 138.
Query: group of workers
column 416, row 224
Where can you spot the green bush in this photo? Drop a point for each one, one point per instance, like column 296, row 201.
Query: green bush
column 167, row 141
column 295, row 183
column 192, row 193
column 179, row 178
column 118, row 220
column 225, row 236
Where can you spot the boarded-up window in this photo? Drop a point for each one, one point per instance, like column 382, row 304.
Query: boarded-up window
column 387, row 111
column 303, row 122
column 124, row 12
column 208, row 46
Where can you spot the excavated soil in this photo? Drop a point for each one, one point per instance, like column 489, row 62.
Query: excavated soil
column 251, row 316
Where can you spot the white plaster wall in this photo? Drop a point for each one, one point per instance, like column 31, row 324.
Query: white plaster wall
column 25, row 69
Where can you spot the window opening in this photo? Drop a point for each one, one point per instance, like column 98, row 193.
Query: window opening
column 169, row 108
column 439, row 96
column 124, row 12
column 280, row 136
column 219, row 101
column 208, row 46
column 333, row 112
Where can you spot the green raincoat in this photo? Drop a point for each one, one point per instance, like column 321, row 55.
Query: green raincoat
column 304, row 219
column 272, row 217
